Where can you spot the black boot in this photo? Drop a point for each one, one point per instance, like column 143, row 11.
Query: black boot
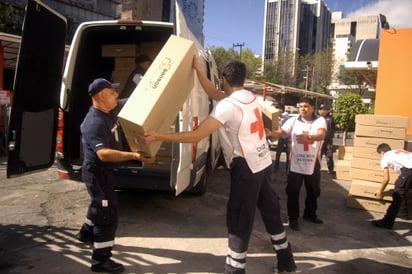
column 286, row 262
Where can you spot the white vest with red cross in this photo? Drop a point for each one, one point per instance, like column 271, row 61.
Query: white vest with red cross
column 244, row 134
column 304, row 155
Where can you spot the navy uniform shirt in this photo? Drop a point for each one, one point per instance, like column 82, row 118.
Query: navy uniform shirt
column 100, row 130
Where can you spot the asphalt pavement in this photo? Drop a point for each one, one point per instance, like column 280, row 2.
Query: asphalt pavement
column 40, row 215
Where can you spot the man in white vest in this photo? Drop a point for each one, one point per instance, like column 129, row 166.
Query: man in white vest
column 307, row 133
column 238, row 119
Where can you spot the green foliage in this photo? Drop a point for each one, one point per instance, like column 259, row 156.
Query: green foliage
column 11, row 19
column 348, row 105
column 223, row 56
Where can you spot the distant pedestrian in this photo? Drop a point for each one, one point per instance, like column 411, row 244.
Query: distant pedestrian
column 283, row 141
column 401, row 161
column 327, row 147
column 307, row 132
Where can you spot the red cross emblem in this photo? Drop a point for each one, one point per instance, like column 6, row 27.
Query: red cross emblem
column 306, row 143
column 257, row 126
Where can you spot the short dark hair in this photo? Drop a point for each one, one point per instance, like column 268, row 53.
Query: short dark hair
column 307, row 100
column 383, row 148
column 235, row 73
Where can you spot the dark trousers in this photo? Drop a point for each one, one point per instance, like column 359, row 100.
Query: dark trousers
column 399, row 197
column 312, row 186
column 283, row 146
column 327, row 150
column 248, row 191
column 102, row 212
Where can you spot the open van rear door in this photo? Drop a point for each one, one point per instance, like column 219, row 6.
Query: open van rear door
column 35, row 101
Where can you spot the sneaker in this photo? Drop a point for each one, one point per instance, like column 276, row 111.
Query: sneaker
column 288, row 266
column 313, row 219
column 382, row 224
column 108, row 266
column 294, row 224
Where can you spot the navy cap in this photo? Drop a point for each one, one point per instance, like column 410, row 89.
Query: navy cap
column 323, row 106
column 98, row 84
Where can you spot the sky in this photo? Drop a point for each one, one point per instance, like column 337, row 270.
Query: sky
column 238, row 22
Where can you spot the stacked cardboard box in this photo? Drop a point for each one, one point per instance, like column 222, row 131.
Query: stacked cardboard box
column 124, row 58
column 344, row 163
column 123, row 55
column 365, row 171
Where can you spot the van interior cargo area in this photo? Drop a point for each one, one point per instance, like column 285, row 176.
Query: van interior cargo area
column 90, row 64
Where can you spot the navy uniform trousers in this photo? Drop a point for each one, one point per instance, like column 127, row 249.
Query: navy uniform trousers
column 248, row 191
column 102, row 216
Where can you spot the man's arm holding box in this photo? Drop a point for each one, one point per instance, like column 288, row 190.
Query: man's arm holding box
column 207, row 127
column 207, row 85
column 385, row 181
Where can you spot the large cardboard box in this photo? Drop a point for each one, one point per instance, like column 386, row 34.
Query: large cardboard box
column 374, row 142
column 363, row 163
column 270, row 115
column 379, row 131
column 343, row 170
column 372, row 175
column 119, row 50
column 367, row 189
column 345, row 152
column 366, row 152
column 124, row 63
column 393, row 121
column 367, row 203
column 156, row 101
column 120, row 76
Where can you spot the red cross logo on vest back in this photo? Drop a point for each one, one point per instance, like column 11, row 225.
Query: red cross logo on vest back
column 306, row 143
column 257, row 126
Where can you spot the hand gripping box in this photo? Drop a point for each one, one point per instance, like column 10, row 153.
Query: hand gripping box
column 270, row 115
column 160, row 94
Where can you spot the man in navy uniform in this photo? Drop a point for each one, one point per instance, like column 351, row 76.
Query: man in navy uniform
column 102, row 148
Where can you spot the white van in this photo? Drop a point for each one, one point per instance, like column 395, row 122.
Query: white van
column 47, row 102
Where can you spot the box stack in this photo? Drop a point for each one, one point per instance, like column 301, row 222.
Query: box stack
column 124, row 58
column 365, row 171
column 344, row 163
column 123, row 55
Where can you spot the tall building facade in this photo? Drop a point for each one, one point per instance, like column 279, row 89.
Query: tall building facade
column 296, row 26
column 345, row 32
column 163, row 10
column 78, row 11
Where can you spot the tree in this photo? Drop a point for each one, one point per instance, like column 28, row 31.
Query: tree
column 11, row 19
column 348, row 105
column 223, row 56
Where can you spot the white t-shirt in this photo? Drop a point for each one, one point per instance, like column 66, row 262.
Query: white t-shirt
column 242, row 134
column 396, row 159
column 303, row 156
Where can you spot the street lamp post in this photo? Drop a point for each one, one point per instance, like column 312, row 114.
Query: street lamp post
column 240, row 45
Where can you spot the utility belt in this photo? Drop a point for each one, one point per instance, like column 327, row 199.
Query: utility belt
column 93, row 167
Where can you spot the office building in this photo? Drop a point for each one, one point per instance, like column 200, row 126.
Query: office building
column 345, row 32
column 163, row 10
column 295, row 26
